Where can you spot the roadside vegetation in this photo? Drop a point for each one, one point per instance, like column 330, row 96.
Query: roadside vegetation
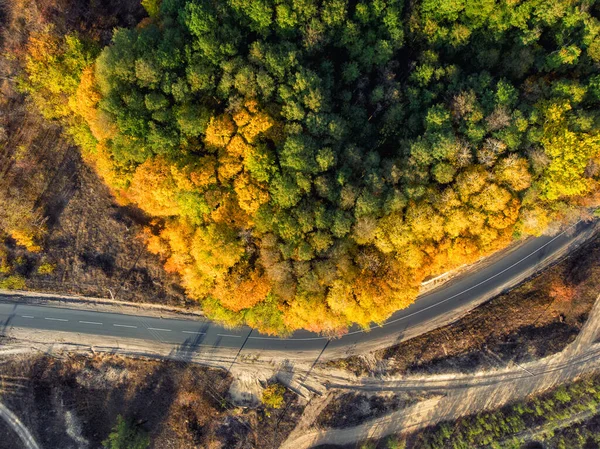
column 536, row 319
column 565, row 417
column 310, row 163
column 273, row 396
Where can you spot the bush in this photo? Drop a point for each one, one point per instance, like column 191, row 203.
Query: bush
column 27, row 239
column 5, row 266
column 46, row 268
column 395, row 443
column 273, row 396
column 126, row 435
column 14, row 282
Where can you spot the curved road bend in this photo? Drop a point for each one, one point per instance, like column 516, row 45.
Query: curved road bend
column 428, row 312
column 17, row 426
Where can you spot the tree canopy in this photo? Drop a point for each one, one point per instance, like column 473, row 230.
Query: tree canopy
column 312, row 161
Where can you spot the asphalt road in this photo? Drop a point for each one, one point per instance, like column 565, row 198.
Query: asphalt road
column 460, row 294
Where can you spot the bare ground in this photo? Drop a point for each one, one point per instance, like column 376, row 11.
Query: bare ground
column 73, row 401
column 351, row 408
column 466, row 394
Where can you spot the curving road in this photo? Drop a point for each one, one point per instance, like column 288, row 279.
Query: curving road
column 428, row 312
column 15, row 423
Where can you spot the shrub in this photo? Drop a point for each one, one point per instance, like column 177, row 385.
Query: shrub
column 14, row 282
column 126, row 435
column 395, row 443
column 273, row 396
column 46, row 268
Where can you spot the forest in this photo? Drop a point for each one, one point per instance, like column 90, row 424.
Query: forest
column 308, row 163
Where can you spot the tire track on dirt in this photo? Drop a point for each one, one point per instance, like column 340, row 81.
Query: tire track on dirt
column 463, row 397
column 19, row 428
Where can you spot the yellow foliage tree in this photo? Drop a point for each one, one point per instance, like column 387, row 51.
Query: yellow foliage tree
column 84, row 103
column 251, row 195
column 242, row 288
column 219, row 132
column 569, row 154
column 204, row 172
column 154, row 189
column 492, row 198
column 471, row 181
column 513, row 172
column 215, row 248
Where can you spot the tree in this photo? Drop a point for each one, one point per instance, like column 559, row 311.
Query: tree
column 152, row 7
column 470, row 181
column 54, row 67
column 305, row 178
column 513, row 172
column 569, row 154
column 242, row 288
column 443, row 173
column 154, row 189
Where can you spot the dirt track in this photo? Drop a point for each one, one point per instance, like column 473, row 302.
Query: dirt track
column 465, row 395
column 15, row 423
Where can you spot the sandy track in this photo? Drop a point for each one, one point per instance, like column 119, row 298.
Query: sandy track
column 466, row 395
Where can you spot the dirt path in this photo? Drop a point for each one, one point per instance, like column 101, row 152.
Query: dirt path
column 464, row 394
column 15, row 423
column 310, row 414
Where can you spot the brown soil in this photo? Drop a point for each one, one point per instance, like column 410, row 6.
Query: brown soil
column 94, row 244
column 181, row 406
column 538, row 318
column 350, row 409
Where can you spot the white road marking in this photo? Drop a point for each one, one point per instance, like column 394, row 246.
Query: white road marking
column 125, row 325
column 158, row 329
column 55, row 319
column 27, row 316
column 192, row 332
column 227, row 335
column 90, row 322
